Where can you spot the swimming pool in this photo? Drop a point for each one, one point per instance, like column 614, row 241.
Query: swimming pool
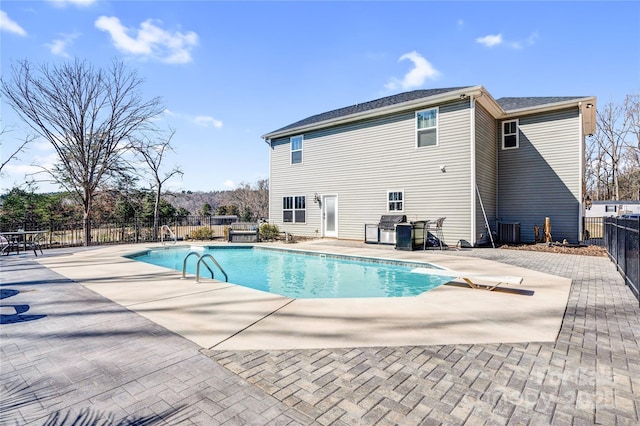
column 301, row 274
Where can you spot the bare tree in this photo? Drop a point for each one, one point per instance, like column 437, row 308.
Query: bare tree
column 89, row 116
column 610, row 135
column 21, row 147
column 152, row 153
column 632, row 118
column 252, row 200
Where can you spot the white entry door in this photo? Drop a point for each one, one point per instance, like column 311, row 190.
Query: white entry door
column 330, row 215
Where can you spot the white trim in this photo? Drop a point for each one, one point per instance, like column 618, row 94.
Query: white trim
column 402, row 201
column 581, row 209
column 502, row 133
column 293, row 208
column 472, row 119
column 417, row 130
column 547, row 107
column 270, row 173
column 323, row 219
column 291, row 150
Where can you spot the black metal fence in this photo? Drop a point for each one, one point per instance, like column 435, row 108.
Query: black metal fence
column 71, row 233
column 593, row 231
column 622, row 241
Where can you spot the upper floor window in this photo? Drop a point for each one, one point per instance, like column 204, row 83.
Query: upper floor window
column 296, row 149
column 427, row 127
column 510, row 134
column 395, row 200
column 294, row 209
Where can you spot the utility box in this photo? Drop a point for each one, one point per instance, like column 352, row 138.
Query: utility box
column 509, row 232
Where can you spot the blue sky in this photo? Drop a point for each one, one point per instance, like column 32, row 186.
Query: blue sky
column 229, row 72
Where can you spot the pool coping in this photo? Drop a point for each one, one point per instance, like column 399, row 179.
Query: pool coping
column 219, row 315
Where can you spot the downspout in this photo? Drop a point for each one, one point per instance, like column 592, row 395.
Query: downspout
column 472, row 147
column 267, row 140
column 581, row 211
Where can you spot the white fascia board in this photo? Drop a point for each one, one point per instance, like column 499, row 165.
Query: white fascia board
column 416, row 103
column 548, row 107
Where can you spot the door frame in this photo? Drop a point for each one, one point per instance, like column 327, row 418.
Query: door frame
column 323, row 217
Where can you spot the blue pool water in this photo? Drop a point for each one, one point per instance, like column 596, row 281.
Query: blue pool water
column 299, row 274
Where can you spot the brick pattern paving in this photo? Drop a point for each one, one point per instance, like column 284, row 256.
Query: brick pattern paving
column 70, row 356
column 590, row 375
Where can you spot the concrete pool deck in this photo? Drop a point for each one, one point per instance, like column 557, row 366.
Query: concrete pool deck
column 222, row 316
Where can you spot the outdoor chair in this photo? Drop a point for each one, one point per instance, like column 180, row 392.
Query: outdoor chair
column 436, row 227
column 492, row 281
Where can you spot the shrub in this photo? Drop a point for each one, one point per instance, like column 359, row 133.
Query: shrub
column 269, row 232
column 202, row 234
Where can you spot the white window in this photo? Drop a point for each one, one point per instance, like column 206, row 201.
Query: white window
column 427, row 127
column 510, row 134
column 395, row 201
column 296, row 149
column 294, row 209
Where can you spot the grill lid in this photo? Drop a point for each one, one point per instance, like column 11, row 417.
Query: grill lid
column 388, row 221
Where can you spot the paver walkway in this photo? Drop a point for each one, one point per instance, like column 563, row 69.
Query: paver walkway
column 88, row 357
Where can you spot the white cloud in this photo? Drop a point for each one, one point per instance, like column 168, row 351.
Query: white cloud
column 460, row 23
column 229, row 184
column 490, row 40
column 80, row 3
column 150, row 40
column 422, row 70
column 531, row 40
column 9, row 25
column 496, row 40
column 59, row 46
column 206, row 121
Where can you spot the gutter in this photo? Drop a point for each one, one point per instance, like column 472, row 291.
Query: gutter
column 547, row 107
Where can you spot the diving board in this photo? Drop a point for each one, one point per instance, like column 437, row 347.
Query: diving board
column 472, row 278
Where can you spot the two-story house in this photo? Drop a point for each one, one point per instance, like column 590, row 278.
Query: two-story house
column 456, row 153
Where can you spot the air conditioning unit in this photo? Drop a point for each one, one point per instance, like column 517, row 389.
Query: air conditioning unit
column 509, row 232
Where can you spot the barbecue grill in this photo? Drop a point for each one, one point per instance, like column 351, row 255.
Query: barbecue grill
column 385, row 231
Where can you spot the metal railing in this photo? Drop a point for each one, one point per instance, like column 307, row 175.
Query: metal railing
column 593, row 231
column 171, row 234
column 69, row 233
column 622, row 241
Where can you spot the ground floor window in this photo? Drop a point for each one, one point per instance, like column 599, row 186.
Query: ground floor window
column 294, row 209
column 395, row 200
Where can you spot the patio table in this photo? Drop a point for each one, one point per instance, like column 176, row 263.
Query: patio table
column 13, row 241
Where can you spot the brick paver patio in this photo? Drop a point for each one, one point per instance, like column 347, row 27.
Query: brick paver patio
column 68, row 353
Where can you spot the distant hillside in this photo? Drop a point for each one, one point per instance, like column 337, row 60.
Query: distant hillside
column 246, row 197
column 193, row 201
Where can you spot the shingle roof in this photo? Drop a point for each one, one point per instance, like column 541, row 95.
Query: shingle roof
column 367, row 106
column 509, row 104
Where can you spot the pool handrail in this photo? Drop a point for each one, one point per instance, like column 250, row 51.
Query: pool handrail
column 184, row 265
column 173, row 236
column 201, row 260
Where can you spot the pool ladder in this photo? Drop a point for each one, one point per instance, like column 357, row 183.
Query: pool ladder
column 173, row 236
column 201, row 259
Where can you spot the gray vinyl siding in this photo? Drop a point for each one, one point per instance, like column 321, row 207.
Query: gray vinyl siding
column 486, row 169
column 360, row 162
column 540, row 178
